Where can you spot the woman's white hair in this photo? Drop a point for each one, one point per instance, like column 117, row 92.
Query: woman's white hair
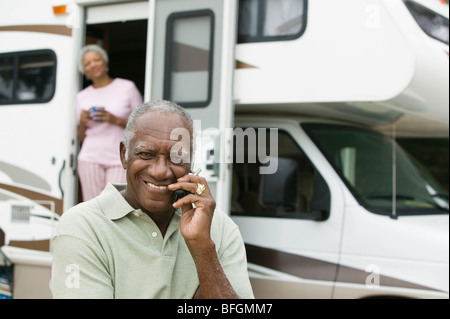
column 89, row 48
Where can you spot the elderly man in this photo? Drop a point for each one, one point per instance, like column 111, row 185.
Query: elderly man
column 134, row 241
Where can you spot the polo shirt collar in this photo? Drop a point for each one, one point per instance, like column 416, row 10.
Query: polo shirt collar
column 115, row 206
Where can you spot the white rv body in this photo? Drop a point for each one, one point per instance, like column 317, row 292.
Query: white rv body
column 371, row 255
column 372, row 68
column 369, row 64
column 356, row 63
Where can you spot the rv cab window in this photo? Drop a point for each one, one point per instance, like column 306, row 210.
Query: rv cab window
column 271, row 20
column 365, row 161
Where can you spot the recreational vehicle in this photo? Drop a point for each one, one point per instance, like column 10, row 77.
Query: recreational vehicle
column 297, row 105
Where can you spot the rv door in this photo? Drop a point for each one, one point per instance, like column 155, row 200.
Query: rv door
column 190, row 61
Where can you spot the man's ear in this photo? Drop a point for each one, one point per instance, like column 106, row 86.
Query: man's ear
column 123, row 159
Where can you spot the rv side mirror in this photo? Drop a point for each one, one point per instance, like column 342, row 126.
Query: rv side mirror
column 280, row 189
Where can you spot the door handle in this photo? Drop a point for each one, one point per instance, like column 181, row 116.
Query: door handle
column 59, row 178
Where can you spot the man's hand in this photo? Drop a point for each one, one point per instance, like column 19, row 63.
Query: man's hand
column 195, row 224
column 195, row 227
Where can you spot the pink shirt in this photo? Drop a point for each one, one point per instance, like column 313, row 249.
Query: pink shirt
column 102, row 141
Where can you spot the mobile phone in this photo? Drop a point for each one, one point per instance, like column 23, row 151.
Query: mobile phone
column 180, row 193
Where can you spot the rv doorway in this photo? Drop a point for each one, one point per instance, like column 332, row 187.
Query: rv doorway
column 126, row 44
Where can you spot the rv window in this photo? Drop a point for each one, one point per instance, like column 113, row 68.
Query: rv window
column 271, row 20
column 6, row 78
column 436, row 26
column 27, row 77
column 364, row 160
column 188, row 67
column 295, row 190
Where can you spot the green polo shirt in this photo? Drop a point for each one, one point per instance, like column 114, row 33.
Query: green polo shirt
column 104, row 248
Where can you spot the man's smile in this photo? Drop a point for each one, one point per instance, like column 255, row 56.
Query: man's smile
column 156, row 186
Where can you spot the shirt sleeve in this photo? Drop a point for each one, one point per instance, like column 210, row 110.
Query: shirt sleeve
column 79, row 271
column 135, row 97
column 233, row 258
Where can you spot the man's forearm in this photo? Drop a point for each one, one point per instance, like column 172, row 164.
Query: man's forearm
column 214, row 284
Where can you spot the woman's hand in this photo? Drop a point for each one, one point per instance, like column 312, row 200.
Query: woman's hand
column 84, row 117
column 84, row 120
column 103, row 116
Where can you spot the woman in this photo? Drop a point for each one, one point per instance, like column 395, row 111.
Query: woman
column 102, row 112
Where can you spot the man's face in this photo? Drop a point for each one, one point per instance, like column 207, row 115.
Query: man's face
column 150, row 166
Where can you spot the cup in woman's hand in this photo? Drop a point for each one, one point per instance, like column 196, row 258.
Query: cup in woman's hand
column 95, row 112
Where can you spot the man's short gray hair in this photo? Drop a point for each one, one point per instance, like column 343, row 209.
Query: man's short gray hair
column 158, row 106
column 89, row 48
